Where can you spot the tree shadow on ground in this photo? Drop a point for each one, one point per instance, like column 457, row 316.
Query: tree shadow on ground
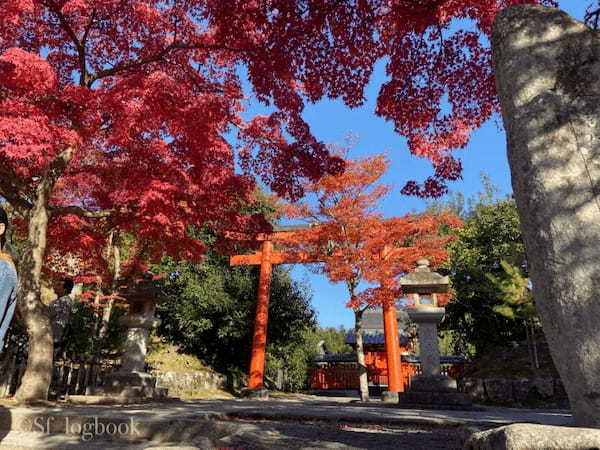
column 5, row 422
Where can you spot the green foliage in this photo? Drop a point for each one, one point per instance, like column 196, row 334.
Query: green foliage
column 517, row 297
column 83, row 322
column 210, row 310
column 79, row 334
column 294, row 359
column 466, row 208
column 491, row 234
column 449, row 341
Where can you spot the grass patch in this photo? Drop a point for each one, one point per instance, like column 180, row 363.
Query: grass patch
column 168, row 358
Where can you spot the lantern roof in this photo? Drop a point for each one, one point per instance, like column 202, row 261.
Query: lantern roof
column 143, row 290
column 424, row 281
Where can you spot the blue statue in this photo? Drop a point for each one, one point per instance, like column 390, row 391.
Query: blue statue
column 8, row 280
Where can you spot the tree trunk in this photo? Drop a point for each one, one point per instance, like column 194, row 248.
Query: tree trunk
column 529, row 344
column 534, row 345
column 547, row 68
column 360, row 356
column 38, row 375
column 114, row 252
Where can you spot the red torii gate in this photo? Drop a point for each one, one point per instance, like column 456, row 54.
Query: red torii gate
column 266, row 258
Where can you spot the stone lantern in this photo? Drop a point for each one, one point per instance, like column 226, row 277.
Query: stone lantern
column 131, row 380
column 430, row 388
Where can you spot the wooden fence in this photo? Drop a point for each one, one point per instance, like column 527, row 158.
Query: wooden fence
column 72, row 374
column 345, row 375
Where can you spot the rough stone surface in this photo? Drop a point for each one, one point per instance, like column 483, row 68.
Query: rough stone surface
column 427, row 319
column 544, row 387
column 435, row 400
column 525, row 436
column 547, row 68
column 179, row 383
column 389, row 397
column 523, row 390
column 136, row 347
column 538, row 393
column 499, row 390
column 436, row 383
column 474, row 387
column 119, row 379
column 256, row 394
column 559, row 389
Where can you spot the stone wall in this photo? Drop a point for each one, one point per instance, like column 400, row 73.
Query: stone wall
column 182, row 383
column 539, row 392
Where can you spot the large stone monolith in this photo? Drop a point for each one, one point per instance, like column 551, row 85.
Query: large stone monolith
column 547, row 69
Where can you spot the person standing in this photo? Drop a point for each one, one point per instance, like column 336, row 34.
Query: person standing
column 8, row 280
column 60, row 313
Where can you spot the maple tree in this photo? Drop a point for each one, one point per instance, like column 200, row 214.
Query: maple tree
column 119, row 110
column 353, row 240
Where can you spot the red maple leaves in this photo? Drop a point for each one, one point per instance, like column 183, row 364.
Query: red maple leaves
column 355, row 242
column 126, row 109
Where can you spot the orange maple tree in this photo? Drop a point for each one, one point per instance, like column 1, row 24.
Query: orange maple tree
column 358, row 246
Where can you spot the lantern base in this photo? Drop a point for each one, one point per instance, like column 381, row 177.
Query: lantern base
column 256, row 394
column 389, row 397
column 433, row 383
column 435, row 392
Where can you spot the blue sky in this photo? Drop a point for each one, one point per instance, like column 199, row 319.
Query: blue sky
column 331, row 121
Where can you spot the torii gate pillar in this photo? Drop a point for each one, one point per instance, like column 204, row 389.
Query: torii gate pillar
column 392, row 351
column 392, row 343
column 259, row 339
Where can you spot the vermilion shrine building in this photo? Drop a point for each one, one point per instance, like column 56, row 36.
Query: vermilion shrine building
column 338, row 372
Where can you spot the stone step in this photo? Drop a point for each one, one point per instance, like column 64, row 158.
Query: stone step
column 109, row 425
column 129, row 391
column 106, row 400
column 426, row 399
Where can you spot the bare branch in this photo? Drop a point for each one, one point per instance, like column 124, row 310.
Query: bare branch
column 80, row 211
column 592, row 16
column 159, row 56
column 13, row 189
column 79, row 45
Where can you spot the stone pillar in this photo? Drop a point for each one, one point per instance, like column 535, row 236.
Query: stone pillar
column 430, row 389
column 136, row 347
column 427, row 320
column 428, row 344
column 138, row 327
column 547, row 70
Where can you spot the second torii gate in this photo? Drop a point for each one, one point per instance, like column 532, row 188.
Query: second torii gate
column 266, row 258
column 390, row 332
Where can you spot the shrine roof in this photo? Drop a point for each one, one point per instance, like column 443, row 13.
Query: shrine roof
column 413, row 359
column 372, row 320
column 375, row 338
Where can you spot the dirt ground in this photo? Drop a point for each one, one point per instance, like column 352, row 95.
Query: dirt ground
column 304, row 435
